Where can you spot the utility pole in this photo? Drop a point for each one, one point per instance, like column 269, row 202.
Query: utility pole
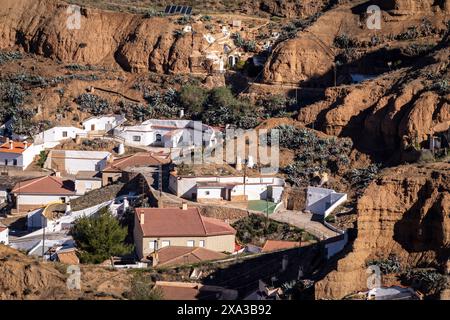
column 43, row 237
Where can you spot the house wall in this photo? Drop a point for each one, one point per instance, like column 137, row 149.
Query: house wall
column 40, row 200
column 127, row 133
column 255, row 189
column 102, row 123
column 10, row 157
column 223, row 243
column 214, row 193
column 85, row 185
column 4, row 237
column 138, row 238
column 115, row 176
column 55, row 134
column 74, row 165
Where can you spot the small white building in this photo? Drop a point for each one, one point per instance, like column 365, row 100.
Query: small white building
column 74, row 161
column 103, row 123
column 4, row 235
column 54, row 136
column 86, row 181
column 228, row 188
column 39, row 192
column 17, row 155
column 323, row 201
column 168, row 134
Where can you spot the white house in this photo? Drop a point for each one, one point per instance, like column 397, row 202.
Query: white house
column 86, row 181
column 54, row 136
column 323, row 201
column 74, row 161
column 229, row 188
column 4, row 237
column 16, row 154
column 39, row 192
column 103, row 123
column 168, row 134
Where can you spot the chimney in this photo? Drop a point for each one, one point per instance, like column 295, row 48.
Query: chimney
column 25, row 145
column 58, row 174
column 142, row 215
column 11, row 145
column 184, row 206
column 155, row 259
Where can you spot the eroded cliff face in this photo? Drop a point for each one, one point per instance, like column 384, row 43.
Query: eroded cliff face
column 105, row 37
column 405, row 212
column 308, row 59
column 389, row 113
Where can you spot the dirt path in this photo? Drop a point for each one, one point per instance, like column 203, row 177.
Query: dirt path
column 304, row 221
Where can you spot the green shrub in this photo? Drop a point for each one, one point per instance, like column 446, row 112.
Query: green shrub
column 99, row 237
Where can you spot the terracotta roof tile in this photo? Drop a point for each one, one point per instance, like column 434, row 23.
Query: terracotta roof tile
column 178, row 223
column 45, row 185
column 273, row 245
column 68, row 257
column 17, row 147
column 139, row 159
column 174, row 255
column 193, row 291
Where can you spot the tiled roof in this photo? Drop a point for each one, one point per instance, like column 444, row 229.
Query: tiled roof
column 174, row 222
column 273, row 245
column 45, row 185
column 139, row 159
column 193, row 291
column 174, row 255
column 3, row 228
column 17, row 147
column 68, row 256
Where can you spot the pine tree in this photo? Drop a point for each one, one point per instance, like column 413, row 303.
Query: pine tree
column 100, row 237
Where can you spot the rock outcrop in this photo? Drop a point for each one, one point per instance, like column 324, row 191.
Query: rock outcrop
column 405, row 212
column 389, row 113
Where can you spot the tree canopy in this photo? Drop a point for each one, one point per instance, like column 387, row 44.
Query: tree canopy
column 99, row 237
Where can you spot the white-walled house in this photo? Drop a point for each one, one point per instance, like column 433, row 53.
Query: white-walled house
column 86, row 181
column 17, row 155
column 168, row 134
column 74, row 161
column 228, row 188
column 54, row 136
column 4, row 235
column 103, row 123
column 39, row 192
column 323, row 201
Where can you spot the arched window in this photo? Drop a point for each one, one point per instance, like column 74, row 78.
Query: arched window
column 158, row 137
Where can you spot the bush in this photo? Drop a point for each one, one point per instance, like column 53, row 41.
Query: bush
column 387, row 266
column 100, row 237
column 428, row 281
column 192, row 99
column 92, row 104
column 42, row 158
column 142, row 289
column 360, row 178
column 9, row 56
column 313, row 154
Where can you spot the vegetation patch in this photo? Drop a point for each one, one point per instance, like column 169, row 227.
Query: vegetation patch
column 256, row 229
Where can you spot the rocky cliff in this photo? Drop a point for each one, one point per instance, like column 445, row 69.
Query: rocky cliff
column 390, row 113
column 405, row 212
column 308, row 58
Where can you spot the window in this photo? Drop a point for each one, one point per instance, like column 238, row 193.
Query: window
column 201, row 243
column 14, row 162
column 6, row 162
column 152, row 245
column 92, row 127
column 165, row 243
column 158, row 137
column 136, row 138
column 190, row 243
column 64, row 134
column 88, row 185
column 207, row 193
